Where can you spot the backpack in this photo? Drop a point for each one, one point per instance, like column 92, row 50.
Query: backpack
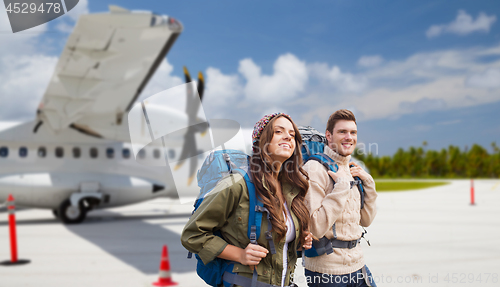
column 313, row 144
column 217, row 166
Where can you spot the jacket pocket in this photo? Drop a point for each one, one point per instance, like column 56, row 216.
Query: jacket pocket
column 245, row 270
column 240, row 224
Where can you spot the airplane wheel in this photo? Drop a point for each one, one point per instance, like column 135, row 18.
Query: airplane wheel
column 56, row 213
column 70, row 214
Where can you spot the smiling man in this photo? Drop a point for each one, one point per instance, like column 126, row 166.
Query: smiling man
column 336, row 209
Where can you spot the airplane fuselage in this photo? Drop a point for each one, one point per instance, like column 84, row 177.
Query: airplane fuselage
column 43, row 169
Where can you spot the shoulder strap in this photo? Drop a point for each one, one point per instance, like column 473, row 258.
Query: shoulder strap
column 326, row 161
column 359, row 183
column 361, row 191
column 254, row 218
column 256, row 208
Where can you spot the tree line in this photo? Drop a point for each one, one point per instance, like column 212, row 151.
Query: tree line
column 419, row 162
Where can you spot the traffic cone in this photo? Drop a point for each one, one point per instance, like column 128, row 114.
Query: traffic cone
column 11, row 208
column 164, row 278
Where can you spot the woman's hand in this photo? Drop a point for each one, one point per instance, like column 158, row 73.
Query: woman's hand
column 358, row 171
column 308, row 241
column 252, row 254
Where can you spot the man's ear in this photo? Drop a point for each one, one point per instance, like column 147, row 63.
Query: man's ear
column 328, row 136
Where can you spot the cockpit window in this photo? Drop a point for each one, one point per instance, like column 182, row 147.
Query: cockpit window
column 23, row 151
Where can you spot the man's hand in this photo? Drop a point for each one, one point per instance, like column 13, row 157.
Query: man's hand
column 336, row 175
column 358, row 171
column 252, row 254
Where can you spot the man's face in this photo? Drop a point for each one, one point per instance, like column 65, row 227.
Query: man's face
column 344, row 137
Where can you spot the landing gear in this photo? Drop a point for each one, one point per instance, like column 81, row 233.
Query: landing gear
column 56, row 213
column 70, row 214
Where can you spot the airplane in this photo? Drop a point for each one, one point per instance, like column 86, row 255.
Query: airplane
column 77, row 154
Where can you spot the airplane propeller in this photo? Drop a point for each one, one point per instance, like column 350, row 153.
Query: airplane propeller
column 189, row 149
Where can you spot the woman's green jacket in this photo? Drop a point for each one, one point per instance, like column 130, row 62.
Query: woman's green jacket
column 226, row 208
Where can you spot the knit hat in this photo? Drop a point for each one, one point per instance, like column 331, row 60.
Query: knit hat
column 261, row 124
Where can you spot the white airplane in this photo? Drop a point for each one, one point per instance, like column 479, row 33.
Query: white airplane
column 77, row 156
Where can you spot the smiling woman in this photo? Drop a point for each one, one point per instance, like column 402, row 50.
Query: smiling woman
column 280, row 185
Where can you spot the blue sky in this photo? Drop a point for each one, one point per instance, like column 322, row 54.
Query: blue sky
column 410, row 70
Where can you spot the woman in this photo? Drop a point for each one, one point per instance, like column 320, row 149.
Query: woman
column 281, row 184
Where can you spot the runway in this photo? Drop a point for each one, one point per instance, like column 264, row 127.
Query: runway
column 430, row 237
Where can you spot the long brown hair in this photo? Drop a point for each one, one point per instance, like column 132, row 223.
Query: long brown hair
column 291, row 171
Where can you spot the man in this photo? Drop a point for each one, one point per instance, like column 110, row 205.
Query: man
column 337, row 208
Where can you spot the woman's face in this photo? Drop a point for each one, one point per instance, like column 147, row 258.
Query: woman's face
column 282, row 144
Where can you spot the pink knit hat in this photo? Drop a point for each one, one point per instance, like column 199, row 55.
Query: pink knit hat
column 261, row 124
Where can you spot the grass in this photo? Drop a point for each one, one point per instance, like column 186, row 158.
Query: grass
column 406, row 185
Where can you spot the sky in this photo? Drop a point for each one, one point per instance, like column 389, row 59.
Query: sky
column 411, row 71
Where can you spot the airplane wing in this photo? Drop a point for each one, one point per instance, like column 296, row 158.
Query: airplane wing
column 107, row 61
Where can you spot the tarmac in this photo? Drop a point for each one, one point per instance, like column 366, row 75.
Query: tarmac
column 430, row 237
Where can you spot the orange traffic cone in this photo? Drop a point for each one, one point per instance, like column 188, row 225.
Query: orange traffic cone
column 164, row 278
column 11, row 207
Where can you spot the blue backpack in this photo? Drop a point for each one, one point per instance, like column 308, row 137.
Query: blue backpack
column 218, row 165
column 313, row 144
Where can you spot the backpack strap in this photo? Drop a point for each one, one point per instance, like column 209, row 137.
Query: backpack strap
column 361, row 191
column 255, row 215
column 330, row 164
column 269, row 236
column 254, row 218
column 306, row 148
column 357, row 181
column 326, row 161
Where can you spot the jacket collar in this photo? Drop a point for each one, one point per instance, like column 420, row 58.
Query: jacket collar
column 339, row 159
column 289, row 191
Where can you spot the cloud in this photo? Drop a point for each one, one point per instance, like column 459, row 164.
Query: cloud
column 463, row 25
column 438, row 80
column 221, row 88
column 23, row 42
column 422, row 105
column 370, row 61
column 288, row 80
column 81, row 8
column 24, row 80
column 67, row 22
column 334, row 77
column 24, row 70
column 488, row 79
